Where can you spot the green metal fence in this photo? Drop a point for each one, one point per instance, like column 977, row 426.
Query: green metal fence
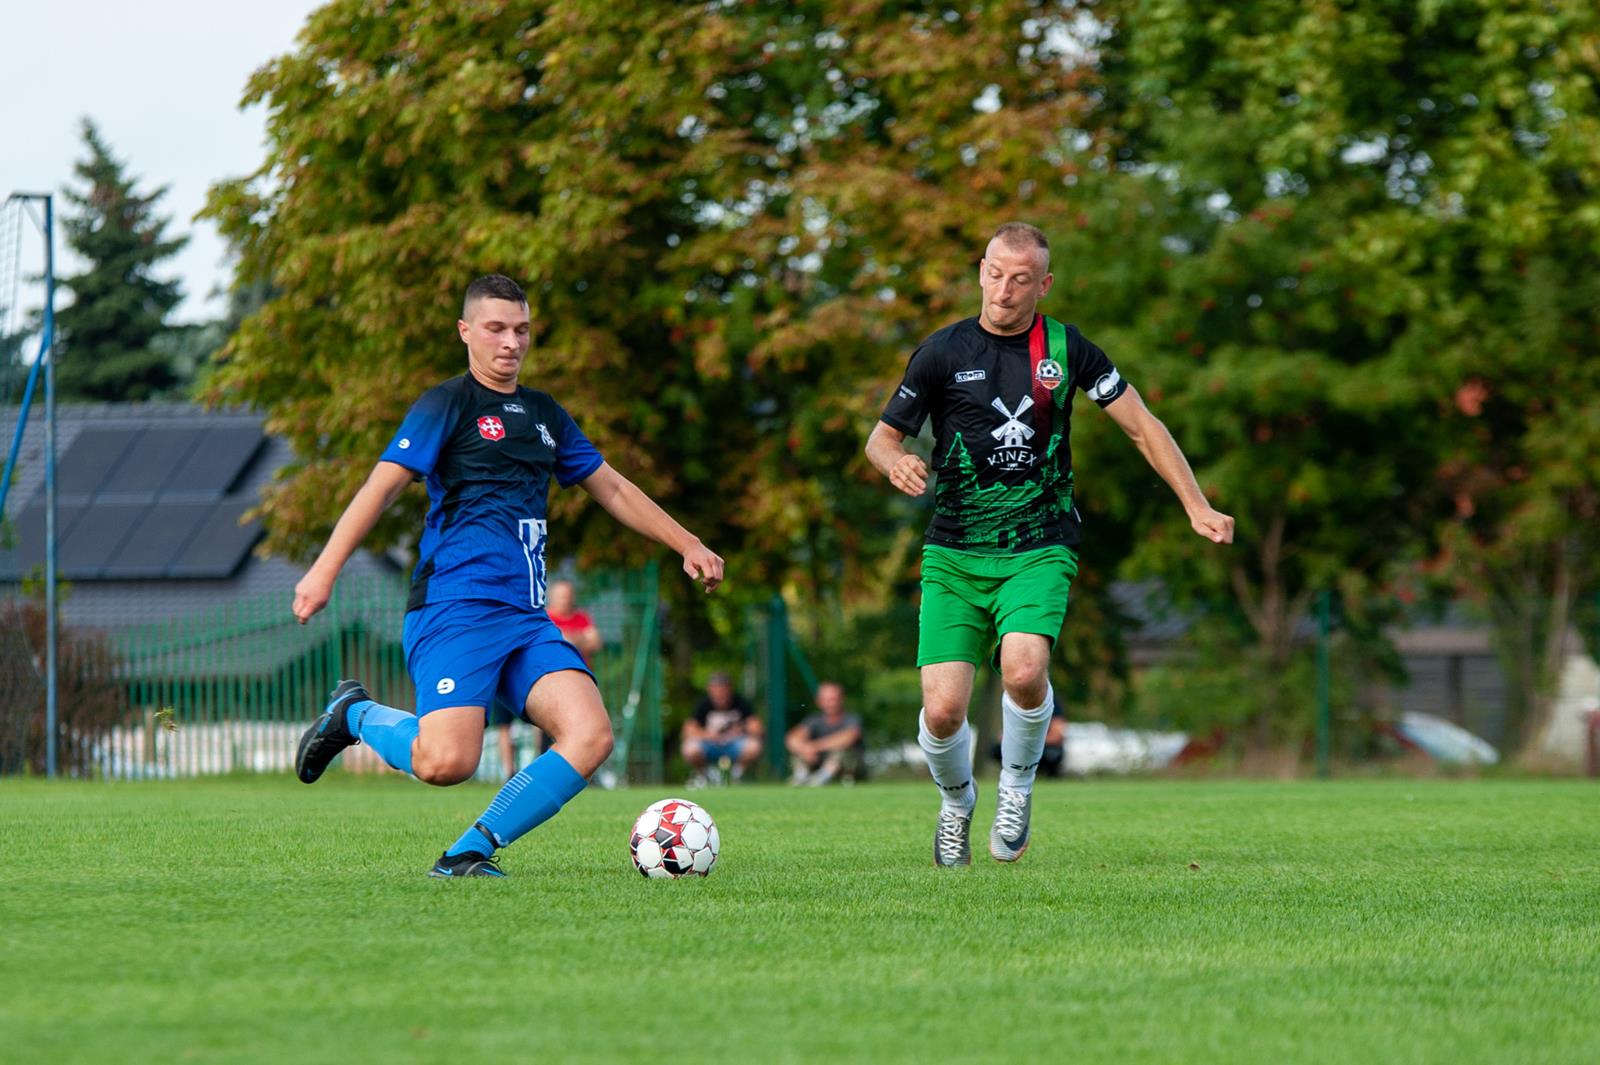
column 230, row 690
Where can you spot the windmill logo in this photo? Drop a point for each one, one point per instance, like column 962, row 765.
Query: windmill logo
column 1013, row 433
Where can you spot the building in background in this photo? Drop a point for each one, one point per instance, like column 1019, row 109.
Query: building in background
column 151, row 512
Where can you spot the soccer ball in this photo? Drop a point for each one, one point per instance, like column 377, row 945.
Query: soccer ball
column 673, row 838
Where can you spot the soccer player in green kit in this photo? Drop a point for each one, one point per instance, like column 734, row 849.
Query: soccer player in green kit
column 1001, row 548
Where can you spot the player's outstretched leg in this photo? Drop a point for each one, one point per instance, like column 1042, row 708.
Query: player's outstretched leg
column 1021, row 748
column 567, row 704
column 351, row 717
column 950, row 762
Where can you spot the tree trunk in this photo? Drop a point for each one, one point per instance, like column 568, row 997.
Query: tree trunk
column 1273, row 613
column 1551, row 663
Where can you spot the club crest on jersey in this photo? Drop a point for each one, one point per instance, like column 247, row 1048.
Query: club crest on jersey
column 1049, row 374
column 491, row 428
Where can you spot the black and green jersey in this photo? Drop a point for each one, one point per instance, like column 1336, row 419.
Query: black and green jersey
column 1002, row 415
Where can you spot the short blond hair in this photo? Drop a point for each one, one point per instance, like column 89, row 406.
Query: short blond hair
column 1021, row 234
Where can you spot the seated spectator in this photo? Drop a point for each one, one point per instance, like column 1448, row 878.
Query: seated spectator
column 827, row 744
column 722, row 728
column 1053, row 762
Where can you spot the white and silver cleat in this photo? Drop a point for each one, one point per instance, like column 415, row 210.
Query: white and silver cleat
column 1012, row 814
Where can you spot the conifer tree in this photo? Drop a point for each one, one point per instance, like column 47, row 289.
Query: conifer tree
column 108, row 346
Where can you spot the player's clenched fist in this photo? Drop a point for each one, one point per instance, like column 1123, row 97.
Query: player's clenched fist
column 311, row 595
column 909, row 475
column 1213, row 525
column 704, row 565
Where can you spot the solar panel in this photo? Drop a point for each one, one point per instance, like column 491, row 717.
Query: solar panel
column 89, row 547
column 156, row 540
column 220, row 545
column 218, row 460
column 154, row 459
column 92, row 459
column 27, row 534
column 160, row 503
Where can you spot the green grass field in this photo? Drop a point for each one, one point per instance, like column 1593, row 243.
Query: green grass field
column 256, row 919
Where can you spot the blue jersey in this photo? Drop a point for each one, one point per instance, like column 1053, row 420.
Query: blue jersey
column 487, row 458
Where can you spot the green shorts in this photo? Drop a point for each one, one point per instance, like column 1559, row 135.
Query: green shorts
column 969, row 600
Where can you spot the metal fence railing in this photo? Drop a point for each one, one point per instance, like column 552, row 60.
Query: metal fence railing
column 230, row 690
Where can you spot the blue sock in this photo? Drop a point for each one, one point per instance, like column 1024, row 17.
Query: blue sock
column 525, row 802
column 386, row 730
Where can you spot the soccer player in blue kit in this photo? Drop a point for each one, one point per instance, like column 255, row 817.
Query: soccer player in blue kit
column 476, row 627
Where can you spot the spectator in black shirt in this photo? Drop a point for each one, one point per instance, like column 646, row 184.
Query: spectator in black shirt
column 723, row 728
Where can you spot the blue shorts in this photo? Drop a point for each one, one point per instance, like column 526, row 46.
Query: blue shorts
column 717, row 750
column 469, row 652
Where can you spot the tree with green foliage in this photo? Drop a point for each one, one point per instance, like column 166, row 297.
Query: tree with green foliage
column 1514, row 369
column 733, row 222
column 1322, row 209
column 1299, row 229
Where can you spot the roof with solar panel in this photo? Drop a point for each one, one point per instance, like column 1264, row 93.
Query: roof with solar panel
column 144, row 491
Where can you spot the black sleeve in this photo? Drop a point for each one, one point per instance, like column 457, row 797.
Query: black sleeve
column 741, row 704
column 1092, row 371
column 702, row 711
column 908, row 408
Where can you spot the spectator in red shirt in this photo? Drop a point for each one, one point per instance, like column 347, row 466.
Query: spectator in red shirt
column 561, row 603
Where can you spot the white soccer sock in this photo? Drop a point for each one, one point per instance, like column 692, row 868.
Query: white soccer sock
column 950, row 762
column 1022, row 740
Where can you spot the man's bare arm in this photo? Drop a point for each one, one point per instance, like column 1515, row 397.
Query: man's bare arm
column 1155, row 443
column 588, row 640
column 838, row 741
column 886, row 451
column 383, row 486
column 626, row 502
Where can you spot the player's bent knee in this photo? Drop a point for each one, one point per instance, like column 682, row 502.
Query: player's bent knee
column 1028, row 691
column 443, row 770
column 944, row 719
column 1026, row 681
column 587, row 746
column 443, row 774
column 601, row 746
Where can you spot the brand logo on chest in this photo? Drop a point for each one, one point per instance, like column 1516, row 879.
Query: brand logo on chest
column 1014, row 451
column 491, row 428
